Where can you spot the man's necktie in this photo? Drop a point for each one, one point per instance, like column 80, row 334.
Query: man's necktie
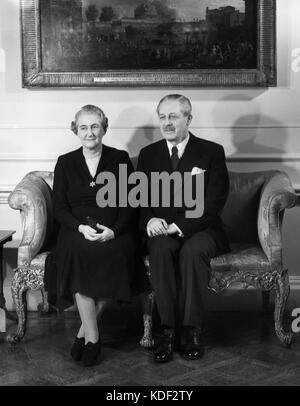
column 174, row 158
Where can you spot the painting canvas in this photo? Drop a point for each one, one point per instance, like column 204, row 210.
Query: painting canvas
column 148, row 42
column 148, row 34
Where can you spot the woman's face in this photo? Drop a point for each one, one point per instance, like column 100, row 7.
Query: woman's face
column 90, row 130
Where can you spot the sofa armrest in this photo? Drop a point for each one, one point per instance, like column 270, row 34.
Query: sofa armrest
column 277, row 195
column 32, row 197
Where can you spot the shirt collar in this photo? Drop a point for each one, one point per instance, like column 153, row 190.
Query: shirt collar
column 181, row 146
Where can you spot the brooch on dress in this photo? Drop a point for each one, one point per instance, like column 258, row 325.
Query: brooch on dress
column 92, row 184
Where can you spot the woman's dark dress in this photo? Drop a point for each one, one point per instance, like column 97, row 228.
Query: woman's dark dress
column 94, row 269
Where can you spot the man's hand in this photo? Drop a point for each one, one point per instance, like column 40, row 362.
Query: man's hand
column 106, row 235
column 157, row 226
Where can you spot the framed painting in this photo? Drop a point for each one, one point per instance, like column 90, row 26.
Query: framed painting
column 101, row 43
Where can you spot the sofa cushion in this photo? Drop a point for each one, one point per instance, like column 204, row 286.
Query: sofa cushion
column 240, row 212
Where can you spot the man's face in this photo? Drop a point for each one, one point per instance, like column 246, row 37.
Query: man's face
column 173, row 124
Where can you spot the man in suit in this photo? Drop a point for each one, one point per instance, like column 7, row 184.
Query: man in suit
column 180, row 248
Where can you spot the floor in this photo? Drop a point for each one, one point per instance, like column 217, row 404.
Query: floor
column 241, row 349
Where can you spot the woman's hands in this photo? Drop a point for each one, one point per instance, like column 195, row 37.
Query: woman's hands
column 92, row 235
column 107, row 234
column 88, row 232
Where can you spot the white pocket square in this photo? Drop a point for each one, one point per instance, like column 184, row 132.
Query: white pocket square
column 196, row 171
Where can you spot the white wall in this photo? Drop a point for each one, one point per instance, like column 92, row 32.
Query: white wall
column 261, row 124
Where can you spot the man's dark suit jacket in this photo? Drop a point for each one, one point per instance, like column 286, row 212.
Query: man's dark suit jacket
column 204, row 155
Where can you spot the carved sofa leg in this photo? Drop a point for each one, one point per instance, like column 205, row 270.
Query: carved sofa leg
column 44, row 307
column 18, row 289
column 148, row 302
column 282, row 293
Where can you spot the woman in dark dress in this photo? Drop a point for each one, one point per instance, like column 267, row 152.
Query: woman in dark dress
column 92, row 262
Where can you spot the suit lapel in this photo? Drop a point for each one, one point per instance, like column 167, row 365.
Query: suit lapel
column 191, row 156
column 163, row 158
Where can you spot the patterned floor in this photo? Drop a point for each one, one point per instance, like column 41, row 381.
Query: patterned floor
column 241, row 350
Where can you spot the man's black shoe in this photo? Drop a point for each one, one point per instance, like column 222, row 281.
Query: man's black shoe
column 194, row 348
column 164, row 352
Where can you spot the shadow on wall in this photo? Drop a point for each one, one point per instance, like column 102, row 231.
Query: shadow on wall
column 247, row 141
column 142, row 137
column 249, row 128
column 246, row 133
column 139, row 131
column 263, row 139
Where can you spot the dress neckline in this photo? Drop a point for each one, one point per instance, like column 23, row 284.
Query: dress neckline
column 92, row 165
column 92, row 158
column 86, row 168
column 105, row 156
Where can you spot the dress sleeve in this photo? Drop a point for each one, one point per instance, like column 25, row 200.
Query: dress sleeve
column 127, row 216
column 62, row 210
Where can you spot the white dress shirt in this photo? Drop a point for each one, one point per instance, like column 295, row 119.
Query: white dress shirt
column 180, row 147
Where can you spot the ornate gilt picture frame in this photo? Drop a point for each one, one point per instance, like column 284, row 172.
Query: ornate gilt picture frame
column 137, row 43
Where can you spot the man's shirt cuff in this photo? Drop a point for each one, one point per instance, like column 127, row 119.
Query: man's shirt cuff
column 180, row 233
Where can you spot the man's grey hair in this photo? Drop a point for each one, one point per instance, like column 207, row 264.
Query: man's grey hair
column 186, row 105
column 90, row 108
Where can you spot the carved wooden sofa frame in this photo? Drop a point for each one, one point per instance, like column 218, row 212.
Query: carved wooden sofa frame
column 258, row 197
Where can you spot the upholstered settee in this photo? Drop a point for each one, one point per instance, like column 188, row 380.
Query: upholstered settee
column 252, row 216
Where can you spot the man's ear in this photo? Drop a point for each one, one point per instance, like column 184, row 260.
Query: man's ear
column 190, row 117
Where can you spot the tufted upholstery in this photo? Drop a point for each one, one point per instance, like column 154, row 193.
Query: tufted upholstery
column 244, row 256
column 252, row 217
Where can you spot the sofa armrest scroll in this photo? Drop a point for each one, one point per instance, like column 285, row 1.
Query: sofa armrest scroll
column 277, row 195
column 30, row 197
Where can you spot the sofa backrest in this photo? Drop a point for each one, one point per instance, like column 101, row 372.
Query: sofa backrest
column 239, row 215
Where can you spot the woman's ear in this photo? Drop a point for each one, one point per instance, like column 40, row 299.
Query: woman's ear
column 105, row 125
column 74, row 127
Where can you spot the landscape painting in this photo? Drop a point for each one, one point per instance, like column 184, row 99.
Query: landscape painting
column 125, row 35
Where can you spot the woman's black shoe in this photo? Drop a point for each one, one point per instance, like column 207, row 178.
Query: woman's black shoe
column 77, row 349
column 91, row 353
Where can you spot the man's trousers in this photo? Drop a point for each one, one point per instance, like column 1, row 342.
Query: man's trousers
column 180, row 273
